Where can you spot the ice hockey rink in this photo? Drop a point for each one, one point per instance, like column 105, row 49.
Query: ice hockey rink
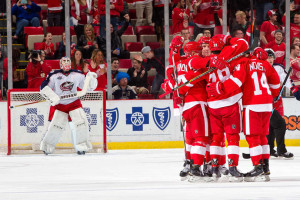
column 133, row 175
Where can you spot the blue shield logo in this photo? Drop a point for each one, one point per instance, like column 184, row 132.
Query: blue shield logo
column 161, row 117
column 112, row 118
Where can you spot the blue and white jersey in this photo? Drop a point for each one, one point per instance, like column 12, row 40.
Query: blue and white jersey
column 282, row 74
column 65, row 83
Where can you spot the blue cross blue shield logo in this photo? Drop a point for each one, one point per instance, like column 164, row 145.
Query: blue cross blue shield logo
column 112, row 118
column 161, row 117
column 32, row 120
column 137, row 118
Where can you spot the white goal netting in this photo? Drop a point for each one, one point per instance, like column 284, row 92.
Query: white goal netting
column 28, row 120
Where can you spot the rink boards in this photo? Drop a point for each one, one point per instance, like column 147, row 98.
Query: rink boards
column 137, row 124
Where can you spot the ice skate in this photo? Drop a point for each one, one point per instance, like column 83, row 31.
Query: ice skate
column 195, row 174
column 273, row 154
column 266, row 169
column 81, row 152
column 287, row 155
column 235, row 175
column 255, row 175
column 207, row 169
column 185, row 172
column 224, row 174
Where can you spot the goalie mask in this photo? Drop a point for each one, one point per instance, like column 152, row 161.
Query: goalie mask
column 65, row 64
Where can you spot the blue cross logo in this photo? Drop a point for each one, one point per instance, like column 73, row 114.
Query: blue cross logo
column 137, row 118
column 92, row 118
column 32, row 120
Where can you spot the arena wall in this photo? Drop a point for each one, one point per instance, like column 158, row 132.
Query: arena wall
column 140, row 124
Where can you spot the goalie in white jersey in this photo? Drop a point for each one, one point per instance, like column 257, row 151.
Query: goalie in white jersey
column 60, row 88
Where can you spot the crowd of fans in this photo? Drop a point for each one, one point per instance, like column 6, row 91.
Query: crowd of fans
column 191, row 19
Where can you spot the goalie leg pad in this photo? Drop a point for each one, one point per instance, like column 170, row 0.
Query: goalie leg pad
column 54, row 132
column 81, row 124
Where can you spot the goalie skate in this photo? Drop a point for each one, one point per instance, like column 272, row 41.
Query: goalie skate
column 184, row 174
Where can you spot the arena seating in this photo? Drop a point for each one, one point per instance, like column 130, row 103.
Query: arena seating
column 125, row 63
column 133, row 46
column 32, row 31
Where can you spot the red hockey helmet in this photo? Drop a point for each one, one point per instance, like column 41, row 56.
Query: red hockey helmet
column 216, row 44
column 260, row 53
column 192, row 46
column 204, row 40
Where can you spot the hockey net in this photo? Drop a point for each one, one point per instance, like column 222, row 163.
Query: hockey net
column 28, row 121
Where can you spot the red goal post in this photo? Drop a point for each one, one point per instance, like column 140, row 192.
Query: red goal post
column 28, row 112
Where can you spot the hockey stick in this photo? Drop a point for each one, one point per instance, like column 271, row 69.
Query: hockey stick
column 247, row 155
column 68, row 96
column 208, row 71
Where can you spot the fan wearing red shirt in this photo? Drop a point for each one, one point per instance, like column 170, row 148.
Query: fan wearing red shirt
column 48, row 46
column 99, row 66
column 295, row 27
column 278, row 46
column 180, row 16
column 268, row 28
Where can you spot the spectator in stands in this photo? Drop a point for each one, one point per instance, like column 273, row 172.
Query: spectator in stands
column 54, row 16
column 123, row 90
column 295, row 24
column 116, row 41
column 36, row 70
column 115, row 63
column 141, row 7
column 207, row 32
column 241, row 20
column 77, row 60
column 262, row 7
column 123, row 13
column 98, row 65
column 116, row 7
column 185, row 33
column 278, row 46
column 86, row 65
column 138, row 76
column 180, row 17
column 296, row 41
column 87, row 42
column 27, row 15
column 96, row 14
column 48, row 46
column 155, row 59
column 238, row 33
column 62, row 46
column 203, row 16
column 18, row 78
column 82, row 13
column 268, row 28
column 158, row 19
column 295, row 64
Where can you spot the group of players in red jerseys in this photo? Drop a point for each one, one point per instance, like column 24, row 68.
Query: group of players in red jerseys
column 210, row 106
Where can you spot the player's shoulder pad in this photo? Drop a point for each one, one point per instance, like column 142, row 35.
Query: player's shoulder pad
column 76, row 71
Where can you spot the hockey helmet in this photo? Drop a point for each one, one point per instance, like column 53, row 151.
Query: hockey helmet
column 204, row 40
column 65, row 63
column 192, row 47
column 270, row 52
column 260, row 53
column 216, row 44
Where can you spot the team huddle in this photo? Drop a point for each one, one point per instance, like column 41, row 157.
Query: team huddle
column 210, row 106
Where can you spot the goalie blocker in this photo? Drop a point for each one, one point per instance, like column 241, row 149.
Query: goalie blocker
column 65, row 82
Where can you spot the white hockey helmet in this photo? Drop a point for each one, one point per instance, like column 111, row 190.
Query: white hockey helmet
column 65, row 63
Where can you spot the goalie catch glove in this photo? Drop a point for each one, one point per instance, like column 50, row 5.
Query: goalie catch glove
column 93, row 81
column 214, row 89
column 50, row 95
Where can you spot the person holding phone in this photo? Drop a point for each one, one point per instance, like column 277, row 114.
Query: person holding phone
column 27, row 13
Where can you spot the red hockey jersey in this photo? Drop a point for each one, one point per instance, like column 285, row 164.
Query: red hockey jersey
column 259, row 81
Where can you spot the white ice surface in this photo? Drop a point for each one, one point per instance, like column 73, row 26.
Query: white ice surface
column 133, row 175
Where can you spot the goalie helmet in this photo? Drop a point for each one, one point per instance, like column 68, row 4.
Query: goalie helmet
column 270, row 52
column 260, row 53
column 192, row 47
column 216, row 44
column 65, row 64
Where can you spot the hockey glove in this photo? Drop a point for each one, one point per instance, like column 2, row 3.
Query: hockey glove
column 176, row 43
column 214, row 89
column 50, row 95
column 217, row 63
column 170, row 74
column 93, row 81
column 177, row 100
column 167, row 86
column 296, row 92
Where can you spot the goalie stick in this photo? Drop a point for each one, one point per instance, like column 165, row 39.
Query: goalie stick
column 254, row 45
column 247, row 155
